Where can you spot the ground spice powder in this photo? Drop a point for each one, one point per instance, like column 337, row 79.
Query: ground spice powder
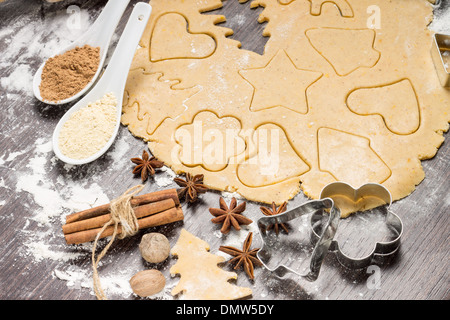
column 67, row 74
column 89, row 129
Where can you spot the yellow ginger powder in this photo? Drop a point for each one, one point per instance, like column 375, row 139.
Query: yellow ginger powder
column 89, row 128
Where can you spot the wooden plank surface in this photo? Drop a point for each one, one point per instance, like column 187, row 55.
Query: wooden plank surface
column 37, row 191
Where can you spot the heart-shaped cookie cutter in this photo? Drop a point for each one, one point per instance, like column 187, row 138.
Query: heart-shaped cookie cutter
column 394, row 223
column 322, row 243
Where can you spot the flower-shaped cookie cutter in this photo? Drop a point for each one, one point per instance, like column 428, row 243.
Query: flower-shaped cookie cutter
column 314, row 207
column 393, row 222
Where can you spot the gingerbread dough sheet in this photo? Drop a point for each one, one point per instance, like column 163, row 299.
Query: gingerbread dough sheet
column 345, row 91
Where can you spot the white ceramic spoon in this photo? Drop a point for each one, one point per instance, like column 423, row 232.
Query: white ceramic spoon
column 113, row 79
column 98, row 35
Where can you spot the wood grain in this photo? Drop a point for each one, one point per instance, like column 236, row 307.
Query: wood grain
column 420, row 270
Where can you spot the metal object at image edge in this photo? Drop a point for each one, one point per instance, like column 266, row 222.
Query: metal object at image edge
column 441, row 42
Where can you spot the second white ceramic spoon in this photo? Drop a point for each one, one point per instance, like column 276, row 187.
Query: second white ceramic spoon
column 98, row 35
column 112, row 81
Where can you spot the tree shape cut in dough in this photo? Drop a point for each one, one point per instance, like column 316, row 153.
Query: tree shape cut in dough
column 201, row 278
column 152, row 109
column 342, row 5
column 209, row 141
column 172, row 40
column 345, row 49
column 398, row 107
column 272, row 158
column 280, row 84
column 350, row 158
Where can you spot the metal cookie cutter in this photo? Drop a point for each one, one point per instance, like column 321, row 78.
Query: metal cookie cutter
column 393, row 222
column 323, row 240
column 440, row 52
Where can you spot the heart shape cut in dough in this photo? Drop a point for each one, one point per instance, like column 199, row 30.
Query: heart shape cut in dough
column 350, row 200
column 173, row 39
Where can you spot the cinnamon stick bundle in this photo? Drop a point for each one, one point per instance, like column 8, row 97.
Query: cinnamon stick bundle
column 136, row 201
column 151, row 210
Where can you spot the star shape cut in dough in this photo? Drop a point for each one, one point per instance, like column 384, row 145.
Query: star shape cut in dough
column 280, row 84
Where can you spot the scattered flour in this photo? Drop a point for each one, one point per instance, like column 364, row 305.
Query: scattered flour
column 13, row 155
column 229, row 195
column 120, row 149
column 21, row 78
column 74, row 278
column 47, row 196
column 42, row 251
column 166, row 180
column 27, row 49
column 8, row 157
column 54, row 200
column 441, row 21
column 237, row 238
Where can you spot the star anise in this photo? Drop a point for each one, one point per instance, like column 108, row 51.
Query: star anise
column 229, row 216
column 145, row 166
column 245, row 257
column 274, row 212
column 191, row 187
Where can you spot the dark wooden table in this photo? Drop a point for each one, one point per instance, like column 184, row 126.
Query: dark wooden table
column 37, row 190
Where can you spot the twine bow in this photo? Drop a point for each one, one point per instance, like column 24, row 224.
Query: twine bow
column 121, row 213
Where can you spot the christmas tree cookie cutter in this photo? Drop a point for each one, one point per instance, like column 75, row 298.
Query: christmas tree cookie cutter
column 440, row 52
column 324, row 222
column 321, row 246
column 393, row 222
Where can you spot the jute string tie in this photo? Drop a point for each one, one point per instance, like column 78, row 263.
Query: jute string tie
column 122, row 214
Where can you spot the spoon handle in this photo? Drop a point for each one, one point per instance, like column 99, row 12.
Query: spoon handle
column 120, row 62
column 104, row 26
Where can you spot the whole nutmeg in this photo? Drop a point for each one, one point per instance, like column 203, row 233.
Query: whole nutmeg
column 154, row 247
column 148, row 282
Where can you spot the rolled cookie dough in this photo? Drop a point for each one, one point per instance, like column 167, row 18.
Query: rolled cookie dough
column 345, row 90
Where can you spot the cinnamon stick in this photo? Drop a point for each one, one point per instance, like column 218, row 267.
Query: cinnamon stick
column 165, row 217
column 135, row 201
column 99, row 221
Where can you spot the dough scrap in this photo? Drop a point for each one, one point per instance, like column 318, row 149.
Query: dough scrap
column 348, row 101
column 201, row 278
